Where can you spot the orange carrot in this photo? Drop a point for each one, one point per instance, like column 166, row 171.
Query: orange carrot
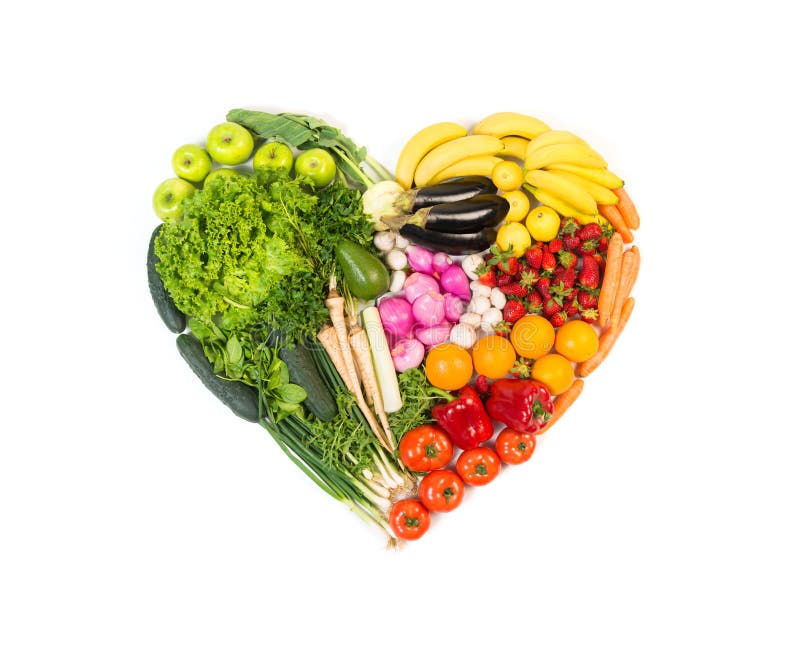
column 628, row 274
column 605, row 301
column 607, row 341
column 612, row 214
column 627, row 209
column 562, row 403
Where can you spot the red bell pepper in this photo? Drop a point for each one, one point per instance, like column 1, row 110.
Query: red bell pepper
column 521, row 404
column 465, row 419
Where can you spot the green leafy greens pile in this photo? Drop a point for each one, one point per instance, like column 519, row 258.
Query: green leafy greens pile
column 259, row 249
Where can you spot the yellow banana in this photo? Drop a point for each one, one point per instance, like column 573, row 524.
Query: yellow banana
column 421, row 144
column 551, row 138
column 572, row 153
column 504, row 124
column 514, row 146
column 482, row 165
column 597, row 175
column 558, row 205
column 584, row 219
column 600, row 194
column 563, row 188
column 452, row 151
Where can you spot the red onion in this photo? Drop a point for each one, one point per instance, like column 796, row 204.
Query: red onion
column 420, row 259
column 455, row 281
column 428, row 309
column 417, row 284
column 435, row 335
column 453, row 307
column 396, row 316
column 440, row 262
column 407, row 353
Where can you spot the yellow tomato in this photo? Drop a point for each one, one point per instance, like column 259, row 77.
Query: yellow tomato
column 532, row 336
column 493, row 356
column 513, row 235
column 448, row 366
column 507, row 175
column 543, row 223
column 577, row 340
column 555, row 371
column 518, row 205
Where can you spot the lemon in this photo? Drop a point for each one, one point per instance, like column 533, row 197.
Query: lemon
column 513, row 235
column 518, row 205
column 543, row 223
column 507, row 175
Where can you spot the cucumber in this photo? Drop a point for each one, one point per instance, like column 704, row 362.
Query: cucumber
column 173, row 318
column 240, row 398
column 365, row 274
column 303, row 372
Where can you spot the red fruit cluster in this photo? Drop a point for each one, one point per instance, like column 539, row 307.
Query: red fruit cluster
column 559, row 280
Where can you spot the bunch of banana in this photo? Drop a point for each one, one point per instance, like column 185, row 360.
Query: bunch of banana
column 445, row 150
column 562, row 171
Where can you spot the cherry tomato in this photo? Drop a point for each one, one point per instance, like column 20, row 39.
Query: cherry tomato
column 478, row 466
column 514, row 447
column 409, row 519
column 426, row 448
column 441, row 491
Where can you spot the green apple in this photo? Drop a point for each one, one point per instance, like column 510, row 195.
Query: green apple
column 220, row 172
column 229, row 143
column 316, row 164
column 191, row 162
column 168, row 197
column 273, row 154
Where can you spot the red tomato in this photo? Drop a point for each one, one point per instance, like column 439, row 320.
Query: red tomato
column 441, row 491
column 426, row 448
column 478, row 466
column 514, row 447
column 409, row 519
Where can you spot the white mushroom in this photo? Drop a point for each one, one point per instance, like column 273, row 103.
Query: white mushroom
column 397, row 281
column 490, row 319
column 463, row 335
column 479, row 305
column 396, row 260
column 498, row 298
column 470, row 318
column 480, row 289
column 384, row 240
column 470, row 263
column 400, row 242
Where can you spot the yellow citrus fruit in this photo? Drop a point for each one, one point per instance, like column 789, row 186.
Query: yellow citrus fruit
column 507, row 175
column 543, row 223
column 448, row 366
column 513, row 235
column 493, row 356
column 577, row 341
column 518, row 205
column 555, row 371
column 532, row 336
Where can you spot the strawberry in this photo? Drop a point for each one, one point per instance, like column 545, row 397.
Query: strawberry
column 509, row 266
column 555, row 245
column 489, row 278
column 569, row 225
column 571, row 242
column 589, row 315
column 587, row 299
column 558, row 318
column 513, row 311
column 590, row 273
column 572, row 308
column 590, row 231
column 590, row 246
column 551, row 307
column 528, row 278
column 602, row 245
column 522, row 368
column 601, row 261
column 504, row 279
column 482, row 384
column 548, row 261
column 543, row 287
column 534, row 257
column 567, row 259
column 502, row 329
column 515, row 290
column 535, row 299
column 564, row 277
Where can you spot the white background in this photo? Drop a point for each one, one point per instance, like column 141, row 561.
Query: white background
column 134, row 508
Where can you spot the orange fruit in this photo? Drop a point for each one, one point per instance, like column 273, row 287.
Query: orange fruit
column 493, row 356
column 532, row 336
column 555, row 371
column 448, row 366
column 577, row 340
column 507, row 175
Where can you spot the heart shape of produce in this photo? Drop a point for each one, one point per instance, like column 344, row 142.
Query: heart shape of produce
column 401, row 337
